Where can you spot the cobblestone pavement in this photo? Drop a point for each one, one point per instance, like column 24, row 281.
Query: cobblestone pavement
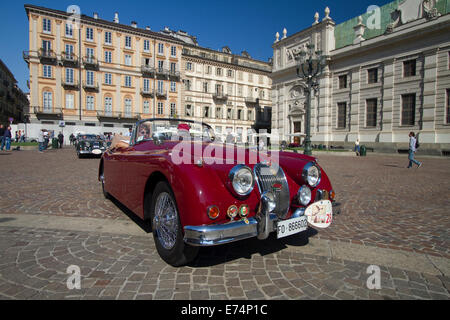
column 384, row 205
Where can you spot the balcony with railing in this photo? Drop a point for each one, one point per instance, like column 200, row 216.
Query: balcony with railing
column 220, row 96
column 90, row 63
column 174, row 75
column 47, row 56
column 162, row 73
column 118, row 116
column 147, row 70
column 69, row 59
column 252, row 100
column 91, row 86
column 147, row 92
column 70, row 84
column 47, row 113
column 162, row 94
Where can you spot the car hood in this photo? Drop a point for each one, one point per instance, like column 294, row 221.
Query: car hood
column 219, row 159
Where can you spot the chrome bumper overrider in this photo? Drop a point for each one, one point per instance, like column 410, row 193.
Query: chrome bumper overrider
column 261, row 226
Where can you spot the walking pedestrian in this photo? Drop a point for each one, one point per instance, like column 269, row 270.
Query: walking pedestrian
column 2, row 132
column 41, row 141
column 71, row 138
column 17, row 136
column 60, row 139
column 412, row 150
column 7, row 139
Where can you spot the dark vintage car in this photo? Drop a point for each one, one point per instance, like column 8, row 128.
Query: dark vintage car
column 90, row 144
column 197, row 192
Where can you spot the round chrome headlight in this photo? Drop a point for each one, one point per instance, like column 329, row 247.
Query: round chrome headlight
column 242, row 180
column 304, row 195
column 311, row 174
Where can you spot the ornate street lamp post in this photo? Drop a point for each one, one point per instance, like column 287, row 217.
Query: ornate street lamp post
column 310, row 65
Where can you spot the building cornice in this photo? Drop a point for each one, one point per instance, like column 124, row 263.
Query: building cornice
column 419, row 28
column 223, row 64
column 102, row 24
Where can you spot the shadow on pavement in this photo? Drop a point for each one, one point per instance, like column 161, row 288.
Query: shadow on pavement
column 6, row 219
column 211, row 256
column 144, row 225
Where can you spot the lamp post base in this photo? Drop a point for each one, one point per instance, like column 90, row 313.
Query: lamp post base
column 308, row 149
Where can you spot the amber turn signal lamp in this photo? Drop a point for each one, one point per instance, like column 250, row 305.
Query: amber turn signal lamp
column 213, row 212
column 244, row 210
column 332, row 195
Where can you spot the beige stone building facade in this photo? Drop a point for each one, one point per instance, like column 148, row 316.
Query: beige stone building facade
column 99, row 75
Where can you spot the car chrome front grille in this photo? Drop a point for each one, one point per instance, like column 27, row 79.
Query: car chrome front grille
column 272, row 179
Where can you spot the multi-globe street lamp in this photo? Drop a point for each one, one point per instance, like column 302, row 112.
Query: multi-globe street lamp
column 310, row 64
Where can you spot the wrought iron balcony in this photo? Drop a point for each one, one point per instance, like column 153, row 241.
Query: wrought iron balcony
column 162, row 73
column 118, row 116
column 70, row 85
column 174, row 75
column 147, row 70
column 90, row 63
column 147, row 93
column 90, row 86
column 252, row 100
column 47, row 56
column 220, row 96
column 69, row 59
column 47, row 113
column 161, row 94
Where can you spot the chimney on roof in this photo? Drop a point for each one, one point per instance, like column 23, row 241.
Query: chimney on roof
column 134, row 24
column 147, row 28
column 116, row 17
column 95, row 15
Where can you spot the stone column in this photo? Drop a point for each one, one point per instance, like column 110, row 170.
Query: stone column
column 428, row 125
column 356, row 107
column 386, row 135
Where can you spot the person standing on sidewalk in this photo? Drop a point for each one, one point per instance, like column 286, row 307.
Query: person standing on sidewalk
column 412, row 151
column 60, row 139
column 2, row 132
column 41, row 140
column 7, row 139
column 357, row 148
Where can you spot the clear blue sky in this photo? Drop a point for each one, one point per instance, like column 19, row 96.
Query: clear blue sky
column 242, row 25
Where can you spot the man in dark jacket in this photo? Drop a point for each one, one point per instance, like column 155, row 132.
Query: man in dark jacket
column 7, row 139
column 60, row 139
column 2, row 132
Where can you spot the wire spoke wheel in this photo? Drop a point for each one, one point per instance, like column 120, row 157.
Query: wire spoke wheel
column 166, row 220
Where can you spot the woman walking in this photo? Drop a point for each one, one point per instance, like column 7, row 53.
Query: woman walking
column 412, row 150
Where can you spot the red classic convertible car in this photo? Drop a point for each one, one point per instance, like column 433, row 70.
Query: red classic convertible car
column 196, row 191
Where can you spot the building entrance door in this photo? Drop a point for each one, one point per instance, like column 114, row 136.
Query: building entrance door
column 297, row 129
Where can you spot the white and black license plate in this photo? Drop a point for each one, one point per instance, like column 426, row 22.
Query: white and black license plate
column 292, row 226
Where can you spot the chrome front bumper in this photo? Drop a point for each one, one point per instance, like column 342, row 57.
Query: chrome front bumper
column 261, row 226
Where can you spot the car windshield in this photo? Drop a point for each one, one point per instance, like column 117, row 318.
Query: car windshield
column 89, row 137
column 173, row 130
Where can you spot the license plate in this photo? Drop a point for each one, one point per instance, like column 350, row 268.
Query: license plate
column 96, row 151
column 292, row 226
